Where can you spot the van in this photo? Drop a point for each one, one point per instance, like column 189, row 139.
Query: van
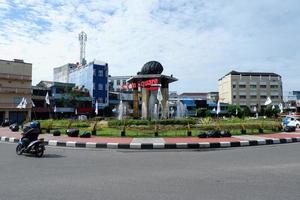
column 293, row 121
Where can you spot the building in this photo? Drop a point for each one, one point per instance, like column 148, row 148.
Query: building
column 61, row 74
column 292, row 102
column 250, row 89
column 94, row 77
column 66, row 100
column 15, row 84
column 119, row 90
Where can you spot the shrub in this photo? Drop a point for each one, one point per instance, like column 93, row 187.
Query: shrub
column 243, row 129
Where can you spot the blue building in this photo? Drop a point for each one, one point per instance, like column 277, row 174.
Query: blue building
column 94, row 77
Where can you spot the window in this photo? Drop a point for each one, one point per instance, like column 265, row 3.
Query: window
column 274, row 86
column 233, row 86
column 100, row 73
column 242, row 86
column 234, row 96
column 100, row 100
column 242, row 96
column 118, row 82
column 263, row 86
column 263, row 97
column 274, row 97
column 253, row 97
column 100, row 86
column 253, row 86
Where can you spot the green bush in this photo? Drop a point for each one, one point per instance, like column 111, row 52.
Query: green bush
column 130, row 122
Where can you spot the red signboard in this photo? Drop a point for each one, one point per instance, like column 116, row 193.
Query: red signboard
column 141, row 84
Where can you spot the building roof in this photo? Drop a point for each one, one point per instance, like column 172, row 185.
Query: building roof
column 16, row 61
column 49, row 84
column 150, row 76
column 251, row 74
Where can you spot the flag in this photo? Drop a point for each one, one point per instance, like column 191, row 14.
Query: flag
column 96, row 108
column 47, row 99
column 273, row 107
column 236, row 111
column 214, row 110
column 281, row 107
column 33, row 105
column 159, row 95
column 54, row 110
column 75, row 111
column 24, row 103
column 254, row 109
column 268, row 101
column 218, row 108
column 20, row 105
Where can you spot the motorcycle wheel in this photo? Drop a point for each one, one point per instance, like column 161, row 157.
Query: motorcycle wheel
column 39, row 152
column 19, row 150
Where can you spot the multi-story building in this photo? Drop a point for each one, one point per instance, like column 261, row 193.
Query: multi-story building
column 119, row 90
column 292, row 101
column 66, row 100
column 15, row 84
column 94, row 77
column 250, row 89
column 61, row 74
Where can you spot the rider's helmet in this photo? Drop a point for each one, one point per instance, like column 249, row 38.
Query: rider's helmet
column 34, row 124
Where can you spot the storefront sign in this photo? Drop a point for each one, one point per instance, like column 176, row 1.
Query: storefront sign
column 141, row 84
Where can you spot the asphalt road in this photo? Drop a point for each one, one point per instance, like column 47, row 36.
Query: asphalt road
column 262, row 172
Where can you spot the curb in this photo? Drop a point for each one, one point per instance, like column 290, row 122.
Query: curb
column 201, row 145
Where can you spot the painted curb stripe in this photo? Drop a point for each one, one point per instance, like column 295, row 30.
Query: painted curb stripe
column 160, row 145
column 61, row 144
column 52, row 143
column 91, row 145
column 170, row 146
column 204, row 145
column 101, row 145
column 181, row 145
column 112, row 145
column 135, row 145
column 225, row 144
column 147, row 146
column 123, row 146
column 235, row 144
column 71, row 144
column 80, row 144
column 193, row 145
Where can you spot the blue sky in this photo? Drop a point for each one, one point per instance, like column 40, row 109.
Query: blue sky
column 196, row 41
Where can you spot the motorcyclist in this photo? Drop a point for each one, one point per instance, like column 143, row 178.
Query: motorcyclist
column 31, row 133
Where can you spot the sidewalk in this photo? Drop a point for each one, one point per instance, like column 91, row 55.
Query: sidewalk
column 158, row 143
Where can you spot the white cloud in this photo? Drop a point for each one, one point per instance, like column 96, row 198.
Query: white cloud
column 196, row 41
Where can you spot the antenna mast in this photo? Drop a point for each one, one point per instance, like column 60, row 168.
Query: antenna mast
column 82, row 40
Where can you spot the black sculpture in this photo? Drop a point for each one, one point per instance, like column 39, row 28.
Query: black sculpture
column 152, row 67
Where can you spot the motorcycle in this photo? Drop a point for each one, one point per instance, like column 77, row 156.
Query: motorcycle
column 36, row 147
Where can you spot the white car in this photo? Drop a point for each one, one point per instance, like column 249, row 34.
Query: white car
column 293, row 121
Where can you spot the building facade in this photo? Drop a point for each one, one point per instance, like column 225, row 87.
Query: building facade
column 61, row 74
column 94, row 77
column 250, row 89
column 15, row 84
column 66, row 100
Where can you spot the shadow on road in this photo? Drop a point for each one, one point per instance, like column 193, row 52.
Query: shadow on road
column 46, row 156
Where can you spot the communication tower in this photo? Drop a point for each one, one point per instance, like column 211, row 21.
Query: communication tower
column 82, row 40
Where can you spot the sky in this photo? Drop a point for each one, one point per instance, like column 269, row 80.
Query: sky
column 198, row 41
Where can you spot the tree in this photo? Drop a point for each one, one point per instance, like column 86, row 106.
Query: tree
column 246, row 111
column 234, row 110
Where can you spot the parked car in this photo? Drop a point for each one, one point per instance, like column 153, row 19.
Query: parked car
column 293, row 121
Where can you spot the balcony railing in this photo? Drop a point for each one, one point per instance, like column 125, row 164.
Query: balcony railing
column 5, row 90
column 12, row 105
